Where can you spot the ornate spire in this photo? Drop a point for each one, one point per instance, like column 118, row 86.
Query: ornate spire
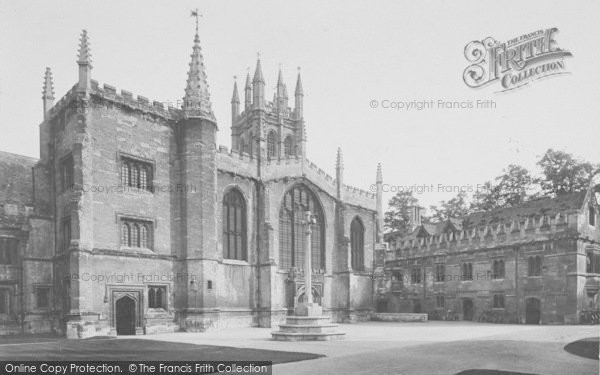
column 285, row 93
column 299, row 90
column 258, row 75
column 248, row 81
column 196, row 102
column 248, row 92
column 379, row 173
column 48, row 89
column 85, row 52
column 235, row 98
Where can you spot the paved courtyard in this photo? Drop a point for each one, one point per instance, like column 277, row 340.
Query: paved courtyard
column 378, row 348
column 369, row 348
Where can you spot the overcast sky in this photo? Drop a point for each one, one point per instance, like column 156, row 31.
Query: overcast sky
column 351, row 52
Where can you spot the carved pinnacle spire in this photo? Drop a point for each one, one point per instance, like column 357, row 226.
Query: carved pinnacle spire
column 258, row 75
column 196, row 102
column 85, row 53
column 339, row 161
column 379, row 173
column 299, row 90
column 235, row 98
column 48, row 89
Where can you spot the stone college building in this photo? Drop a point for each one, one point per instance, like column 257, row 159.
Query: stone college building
column 534, row 263
column 133, row 221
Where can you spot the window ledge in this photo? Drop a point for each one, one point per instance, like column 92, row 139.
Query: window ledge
column 236, row 262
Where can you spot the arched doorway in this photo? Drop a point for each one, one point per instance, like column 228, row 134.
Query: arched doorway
column 532, row 311
column 467, row 309
column 125, row 316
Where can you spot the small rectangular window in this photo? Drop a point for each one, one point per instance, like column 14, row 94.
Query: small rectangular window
column 9, row 251
column 4, row 301
column 209, row 285
column 137, row 233
column 498, row 301
column 157, row 297
column 67, row 173
column 136, row 174
column 592, row 216
column 440, row 302
column 65, row 233
column 42, row 297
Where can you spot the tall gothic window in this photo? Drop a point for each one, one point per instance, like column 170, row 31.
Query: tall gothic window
column 288, row 147
column 292, row 238
column 592, row 216
column 234, row 226
column 357, row 244
column 271, row 146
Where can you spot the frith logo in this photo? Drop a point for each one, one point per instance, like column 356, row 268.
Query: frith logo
column 514, row 63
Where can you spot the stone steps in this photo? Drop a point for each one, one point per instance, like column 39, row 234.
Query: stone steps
column 291, row 336
column 308, row 328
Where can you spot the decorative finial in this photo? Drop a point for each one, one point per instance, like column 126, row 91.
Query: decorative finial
column 197, row 15
column 258, row 55
column 379, row 173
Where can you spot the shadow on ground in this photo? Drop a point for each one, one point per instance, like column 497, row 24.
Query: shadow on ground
column 587, row 348
column 491, row 372
column 105, row 349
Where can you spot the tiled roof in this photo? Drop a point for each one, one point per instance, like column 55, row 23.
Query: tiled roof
column 535, row 207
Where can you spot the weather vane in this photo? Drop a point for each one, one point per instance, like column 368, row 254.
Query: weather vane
column 197, row 15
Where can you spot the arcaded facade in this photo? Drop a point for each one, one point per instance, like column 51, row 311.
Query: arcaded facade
column 133, row 220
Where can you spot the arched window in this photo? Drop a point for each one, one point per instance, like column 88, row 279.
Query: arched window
column 288, row 146
column 135, row 235
column 125, row 234
column 234, row 226
column 292, row 237
column 143, row 236
column 271, row 146
column 125, row 171
column 357, row 244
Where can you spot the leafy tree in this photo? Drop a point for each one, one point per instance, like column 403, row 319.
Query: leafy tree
column 455, row 207
column 486, row 197
column 562, row 173
column 513, row 187
column 397, row 218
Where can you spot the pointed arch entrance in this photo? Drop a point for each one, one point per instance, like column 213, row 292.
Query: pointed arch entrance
column 125, row 312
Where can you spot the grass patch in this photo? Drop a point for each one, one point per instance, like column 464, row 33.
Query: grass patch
column 106, row 349
column 587, row 348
